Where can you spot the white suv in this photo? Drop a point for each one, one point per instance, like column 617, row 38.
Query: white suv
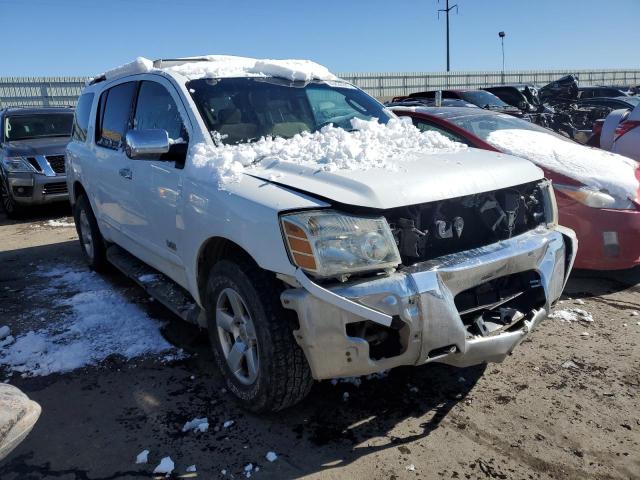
column 310, row 230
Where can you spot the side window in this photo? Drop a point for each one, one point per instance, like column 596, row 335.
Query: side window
column 81, row 117
column 156, row 109
column 113, row 115
column 430, row 127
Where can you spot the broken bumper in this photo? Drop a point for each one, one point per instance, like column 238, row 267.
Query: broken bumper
column 418, row 307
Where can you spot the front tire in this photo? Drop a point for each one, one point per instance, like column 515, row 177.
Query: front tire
column 252, row 340
column 11, row 207
column 91, row 241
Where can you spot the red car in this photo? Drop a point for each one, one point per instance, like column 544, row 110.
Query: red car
column 607, row 225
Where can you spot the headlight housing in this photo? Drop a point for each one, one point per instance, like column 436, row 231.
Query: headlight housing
column 550, row 205
column 594, row 198
column 17, row 164
column 327, row 243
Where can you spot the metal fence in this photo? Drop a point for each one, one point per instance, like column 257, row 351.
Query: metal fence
column 52, row 91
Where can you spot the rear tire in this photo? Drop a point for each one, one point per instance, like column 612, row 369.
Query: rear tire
column 252, row 340
column 91, row 241
column 11, row 207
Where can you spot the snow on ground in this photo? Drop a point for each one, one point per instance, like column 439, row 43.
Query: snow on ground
column 165, row 466
column 95, row 321
column 370, row 145
column 570, row 315
column 591, row 166
column 62, row 222
column 142, row 457
column 271, row 456
column 196, row 425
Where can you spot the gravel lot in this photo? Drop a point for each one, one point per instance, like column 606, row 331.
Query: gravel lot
column 565, row 405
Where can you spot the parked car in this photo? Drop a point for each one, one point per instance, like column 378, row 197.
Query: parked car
column 480, row 98
column 32, row 165
column 357, row 247
column 606, row 223
column 599, row 92
column 613, row 103
column 620, row 132
column 522, row 96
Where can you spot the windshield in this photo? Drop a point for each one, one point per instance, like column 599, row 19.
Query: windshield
column 240, row 110
column 41, row 125
column 482, row 99
column 482, row 125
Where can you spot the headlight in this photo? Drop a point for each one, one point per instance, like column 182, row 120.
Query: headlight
column 550, row 205
column 592, row 197
column 328, row 244
column 17, row 164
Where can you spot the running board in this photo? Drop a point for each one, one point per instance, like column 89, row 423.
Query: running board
column 157, row 285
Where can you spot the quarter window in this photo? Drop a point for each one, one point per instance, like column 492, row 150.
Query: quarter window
column 81, row 118
column 115, row 110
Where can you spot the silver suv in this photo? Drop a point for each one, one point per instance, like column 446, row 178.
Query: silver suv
column 32, row 166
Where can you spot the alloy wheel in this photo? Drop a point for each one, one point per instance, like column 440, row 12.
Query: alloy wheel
column 85, row 234
column 237, row 335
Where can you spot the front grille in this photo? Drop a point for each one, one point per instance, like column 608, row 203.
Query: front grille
column 57, row 163
column 34, row 163
column 54, row 188
column 430, row 230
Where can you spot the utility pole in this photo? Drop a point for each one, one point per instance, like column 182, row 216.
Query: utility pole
column 502, row 35
column 446, row 11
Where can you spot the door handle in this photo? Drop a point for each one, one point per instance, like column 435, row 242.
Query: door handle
column 126, row 173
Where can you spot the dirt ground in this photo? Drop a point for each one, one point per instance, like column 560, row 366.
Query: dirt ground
column 566, row 404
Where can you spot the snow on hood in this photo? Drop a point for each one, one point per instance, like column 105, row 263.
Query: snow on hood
column 221, row 66
column 591, row 166
column 370, row 145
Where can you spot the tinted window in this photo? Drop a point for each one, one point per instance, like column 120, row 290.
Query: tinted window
column 156, row 109
column 115, row 107
column 81, row 119
column 39, row 125
column 430, row 127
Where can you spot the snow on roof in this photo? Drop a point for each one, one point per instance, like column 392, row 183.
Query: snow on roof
column 221, row 66
column 591, row 166
column 370, row 145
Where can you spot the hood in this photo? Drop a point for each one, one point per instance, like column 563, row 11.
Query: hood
column 421, row 178
column 36, row 146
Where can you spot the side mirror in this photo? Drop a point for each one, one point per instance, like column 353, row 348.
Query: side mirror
column 146, row 144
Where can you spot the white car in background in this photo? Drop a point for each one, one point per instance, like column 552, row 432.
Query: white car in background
column 621, row 133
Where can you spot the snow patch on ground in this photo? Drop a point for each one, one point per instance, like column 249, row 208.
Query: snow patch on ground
column 60, row 223
column 570, row 315
column 370, row 145
column 591, row 166
column 271, row 456
column 196, row 425
column 142, row 457
column 96, row 321
column 165, row 466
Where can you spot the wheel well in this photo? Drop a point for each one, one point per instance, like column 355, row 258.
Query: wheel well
column 78, row 190
column 214, row 250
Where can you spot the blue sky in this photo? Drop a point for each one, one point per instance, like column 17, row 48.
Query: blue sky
column 72, row 37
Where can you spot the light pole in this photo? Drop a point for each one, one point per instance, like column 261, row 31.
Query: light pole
column 502, row 35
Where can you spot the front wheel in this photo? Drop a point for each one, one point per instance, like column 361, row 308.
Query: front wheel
column 91, row 241
column 252, row 340
column 11, row 208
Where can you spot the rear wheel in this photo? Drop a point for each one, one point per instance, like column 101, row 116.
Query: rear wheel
column 11, row 208
column 91, row 241
column 252, row 340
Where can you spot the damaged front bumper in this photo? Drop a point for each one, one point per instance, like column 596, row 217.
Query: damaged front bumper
column 461, row 309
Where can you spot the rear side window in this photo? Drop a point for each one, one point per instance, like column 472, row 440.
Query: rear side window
column 430, row 127
column 81, row 118
column 114, row 114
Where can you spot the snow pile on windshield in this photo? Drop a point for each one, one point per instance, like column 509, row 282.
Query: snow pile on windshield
column 370, row 145
column 221, row 66
column 591, row 166
column 94, row 322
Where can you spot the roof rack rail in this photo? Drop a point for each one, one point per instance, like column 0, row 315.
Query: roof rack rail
column 98, row 79
column 173, row 62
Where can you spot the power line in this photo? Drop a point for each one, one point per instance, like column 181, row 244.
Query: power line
column 446, row 11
